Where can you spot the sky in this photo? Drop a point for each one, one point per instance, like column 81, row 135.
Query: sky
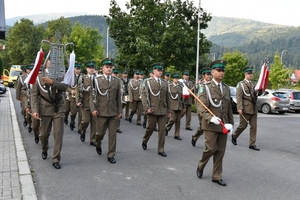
column 270, row 11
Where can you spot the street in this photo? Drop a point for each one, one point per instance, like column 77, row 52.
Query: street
column 271, row 173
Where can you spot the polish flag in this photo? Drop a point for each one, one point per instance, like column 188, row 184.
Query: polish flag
column 263, row 78
column 35, row 71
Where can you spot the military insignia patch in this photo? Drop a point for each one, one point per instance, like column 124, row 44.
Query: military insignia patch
column 201, row 90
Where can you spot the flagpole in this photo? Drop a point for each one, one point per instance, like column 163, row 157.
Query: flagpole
column 198, row 40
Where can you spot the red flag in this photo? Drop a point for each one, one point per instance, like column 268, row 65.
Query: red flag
column 35, row 71
column 263, row 78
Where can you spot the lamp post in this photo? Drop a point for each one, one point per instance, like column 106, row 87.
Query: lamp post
column 213, row 56
column 198, row 40
column 282, row 54
column 107, row 36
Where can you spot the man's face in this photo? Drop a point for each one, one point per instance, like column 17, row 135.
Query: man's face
column 136, row 76
column 218, row 74
column 141, row 76
column 186, row 77
column 115, row 75
column 77, row 70
column 124, row 75
column 90, row 70
column 107, row 69
column 206, row 76
column 28, row 71
column 175, row 80
column 249, row 76
column 48, row 63
column 157, row 73
column 167, row 78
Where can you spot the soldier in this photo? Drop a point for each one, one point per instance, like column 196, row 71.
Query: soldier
column 83, row 100
column 115, row 73
column 21, row 96
column 206, row 78
column 156, row 102
column 71, row 98
column 216, row 96
column 141, row 76
column 106, row 104
column 167, row 77
column 177, row 105
column 47, row 103
column 135, row 97
column 188, row 101
column 246, row 98
column 125, row 80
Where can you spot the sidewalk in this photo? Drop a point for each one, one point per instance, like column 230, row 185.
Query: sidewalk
column 15, row 177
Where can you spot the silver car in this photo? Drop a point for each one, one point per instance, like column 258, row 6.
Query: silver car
column 294, row 99
column 271, row 101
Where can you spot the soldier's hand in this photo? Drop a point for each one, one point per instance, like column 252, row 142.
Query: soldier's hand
column 119, row 115
column 28, row 110
column 169, row 114
column 47, row 80
column 240, row 112
column 95, row 113
column 73, row 92
column 35, row 115
column 149, row 111
column 79, row 104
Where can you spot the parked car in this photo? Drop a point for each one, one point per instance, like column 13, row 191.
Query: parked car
column 294, row 99
column 271, row 101
column 2, row 89
column 233, row 99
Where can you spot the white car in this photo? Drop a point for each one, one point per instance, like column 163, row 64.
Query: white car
column 273, row 101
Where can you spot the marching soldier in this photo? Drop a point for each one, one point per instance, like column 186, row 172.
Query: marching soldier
column 188, row 100
column 71, row 98
column 141, row 76
column 246, row 98
column 83, row 101
column 206, row 78
column 125, row 80
column 156, row 103
column 47, row 103
column 167, row 77
column 106, row 104
column 21, row 96
column 177, row 105
column 135, row 97
column 115, row 73
column 216, row 96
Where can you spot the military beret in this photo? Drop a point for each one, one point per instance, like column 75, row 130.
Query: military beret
column 90, row 63
column 107, row 61
column 167, row 73
column 115, row 71
column 158, row 66
column 205, row 70
column 175, row 75
column 186, row 72
column 248, row 69
column 218, row 64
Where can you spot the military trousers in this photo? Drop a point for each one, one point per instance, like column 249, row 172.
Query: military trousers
column 252, row 118
column 215, row 145
column 175, row 119
column 136, row 108
column 188, row 114
column 126, row 106
column 199, row 131
column 88, row 118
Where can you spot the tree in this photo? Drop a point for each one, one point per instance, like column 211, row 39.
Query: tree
column 87, row 43
column 279, row 77
column 61, row 26
column 236, row 61
column 157, row 31
column 23, row 43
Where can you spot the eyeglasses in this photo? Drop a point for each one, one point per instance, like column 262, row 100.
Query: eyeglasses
column 220, row 70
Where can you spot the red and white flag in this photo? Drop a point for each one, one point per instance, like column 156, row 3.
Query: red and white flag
column 263, row 78
column 35, row 71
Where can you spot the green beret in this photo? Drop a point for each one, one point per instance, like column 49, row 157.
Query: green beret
column 158, row 66
column 107, row 61
column 205, row 70
column 125, row 72
column 78, row 65
column 186, row 72
column 136, row 72
column 90, row 63
column 151, row 71
column 218, row 64
column 167, row 73
column 141, row 73
column 175, row 75
column 248, row 69
column 115, row 71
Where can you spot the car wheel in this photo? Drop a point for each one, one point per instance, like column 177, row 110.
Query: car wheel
column 266, row 109
column 281, row 112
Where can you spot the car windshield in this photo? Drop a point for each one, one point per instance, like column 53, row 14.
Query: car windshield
column 233, row 91
column 15, row 73
column 280, row 95
column 296, row 95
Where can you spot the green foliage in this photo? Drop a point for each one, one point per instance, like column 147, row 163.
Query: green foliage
column 61, row 26
column 194, row 108
column 157, row 31
column 236, row 61
column 278, row 77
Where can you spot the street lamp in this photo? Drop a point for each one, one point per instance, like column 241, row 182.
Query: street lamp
column 282, row 54
column 107, row 36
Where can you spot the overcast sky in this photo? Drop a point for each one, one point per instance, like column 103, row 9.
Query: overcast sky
column 271, row 11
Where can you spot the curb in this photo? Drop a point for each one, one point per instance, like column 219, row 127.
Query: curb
column 26, row 181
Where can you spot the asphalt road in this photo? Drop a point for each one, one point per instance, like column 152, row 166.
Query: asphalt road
column 272, row 173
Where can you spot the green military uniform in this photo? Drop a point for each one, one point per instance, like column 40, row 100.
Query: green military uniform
column 85, row 89
column 246, row 98
column 216, row 96
column 48, row 101
column 107, row 102
column 135, row 98
column 200, row 131
column 115, row 73
column 177, row 105
column 155, row 96
column 188, row 102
